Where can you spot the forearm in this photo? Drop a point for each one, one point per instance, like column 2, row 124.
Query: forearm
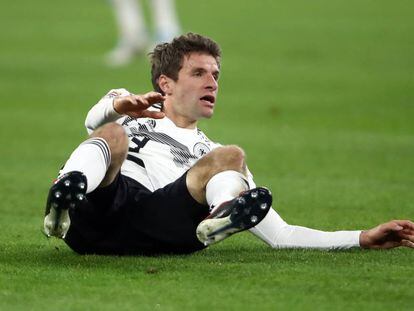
column 103, row 112
column 278, row 234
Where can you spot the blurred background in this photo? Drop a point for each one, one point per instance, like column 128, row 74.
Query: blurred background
column 320, row 94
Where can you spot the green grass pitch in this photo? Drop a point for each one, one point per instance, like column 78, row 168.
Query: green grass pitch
column 320, row 94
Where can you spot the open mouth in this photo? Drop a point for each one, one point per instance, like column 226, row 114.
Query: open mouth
column 208, row 98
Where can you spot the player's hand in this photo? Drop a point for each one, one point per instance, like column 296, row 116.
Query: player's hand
column 136, row 105
column 389, row 235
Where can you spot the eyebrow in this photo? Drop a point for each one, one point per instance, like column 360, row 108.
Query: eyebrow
column 201, row 69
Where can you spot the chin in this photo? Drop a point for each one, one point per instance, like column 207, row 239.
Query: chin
column 207, row 115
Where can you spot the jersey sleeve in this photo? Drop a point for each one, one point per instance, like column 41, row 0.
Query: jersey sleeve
column 274, row 231
column 103, row 112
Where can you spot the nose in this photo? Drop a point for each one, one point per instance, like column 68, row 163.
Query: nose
column 211, row 83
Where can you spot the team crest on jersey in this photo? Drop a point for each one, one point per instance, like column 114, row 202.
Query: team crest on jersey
column 151, row 123
column 200, row 149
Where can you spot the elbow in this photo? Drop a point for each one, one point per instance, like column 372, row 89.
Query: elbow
column 88, row 124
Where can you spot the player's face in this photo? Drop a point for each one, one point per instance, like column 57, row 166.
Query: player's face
column 194, row 93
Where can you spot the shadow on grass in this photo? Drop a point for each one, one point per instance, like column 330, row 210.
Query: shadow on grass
column 55, row 254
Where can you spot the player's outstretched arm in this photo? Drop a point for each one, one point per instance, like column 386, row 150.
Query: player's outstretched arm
column 278, row 234
column 126, row 104
column 136, row 105
column 392, row 234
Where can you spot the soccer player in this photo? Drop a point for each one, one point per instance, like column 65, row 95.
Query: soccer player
column 148, row 181
column 134, row 35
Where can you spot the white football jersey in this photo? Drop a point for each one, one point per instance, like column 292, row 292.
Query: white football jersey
column 159, row 151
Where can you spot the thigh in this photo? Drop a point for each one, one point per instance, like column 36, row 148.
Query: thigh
column 169, row 218
column 127, row 218
column 100, row 219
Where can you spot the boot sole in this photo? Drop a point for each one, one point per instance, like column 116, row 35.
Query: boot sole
column 247, row 210
column 67, row 193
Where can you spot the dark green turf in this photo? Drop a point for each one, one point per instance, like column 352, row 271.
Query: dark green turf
column 320, row 95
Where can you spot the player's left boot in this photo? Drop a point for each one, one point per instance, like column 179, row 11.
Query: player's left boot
column 67, row 192
column 242, row 213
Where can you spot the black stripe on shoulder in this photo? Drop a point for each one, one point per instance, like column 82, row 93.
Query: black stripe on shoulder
column 136, row 160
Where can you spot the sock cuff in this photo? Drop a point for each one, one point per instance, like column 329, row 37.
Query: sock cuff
column 228, row 174
column 103, row 146
column 225, row 186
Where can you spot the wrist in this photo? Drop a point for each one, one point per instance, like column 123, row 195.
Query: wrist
column 116, row 105
column 363, row 240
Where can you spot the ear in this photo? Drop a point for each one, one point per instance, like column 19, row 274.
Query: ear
column 165, row 84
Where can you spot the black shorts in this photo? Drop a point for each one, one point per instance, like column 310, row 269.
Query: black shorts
column 125, row 218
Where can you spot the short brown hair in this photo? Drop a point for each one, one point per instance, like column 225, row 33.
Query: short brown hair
column 167, row 58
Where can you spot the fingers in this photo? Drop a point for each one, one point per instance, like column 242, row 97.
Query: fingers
column 392, row 234
column 405, row 236
column 137, row 105
column 406, row 224
column 407, row 243
column 390, row 226
column 153, row 97
column 153, row 114
column 140, row 101
column 398, row 225
column 147, row 99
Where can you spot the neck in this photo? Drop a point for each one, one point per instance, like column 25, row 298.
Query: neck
column 179, row 119
column 182, row 122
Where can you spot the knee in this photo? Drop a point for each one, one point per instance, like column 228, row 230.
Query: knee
column 230, row 157
column 220, row 159
column 114, row 134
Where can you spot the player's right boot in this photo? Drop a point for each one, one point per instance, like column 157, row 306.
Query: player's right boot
column 124, row 53
column 239, row 214
column 67, row 192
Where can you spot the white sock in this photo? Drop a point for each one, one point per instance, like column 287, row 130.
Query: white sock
column 92, row 158
column 225, row 186
column 165, row 19
column 131, row 23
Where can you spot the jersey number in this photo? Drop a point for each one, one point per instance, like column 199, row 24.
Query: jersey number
column 140, row 144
